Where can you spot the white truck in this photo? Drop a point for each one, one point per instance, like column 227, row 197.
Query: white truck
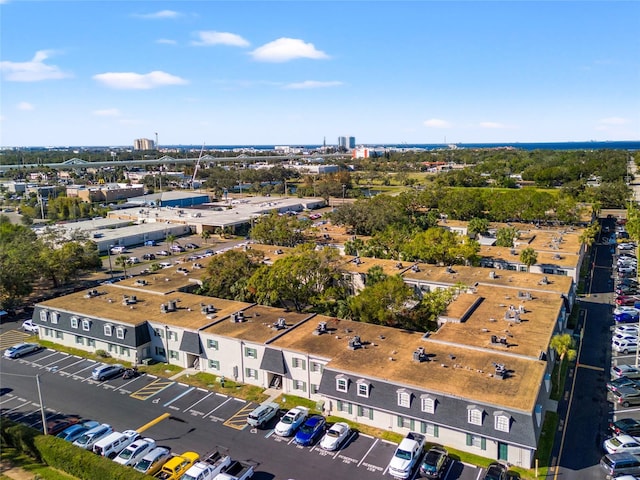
column 209, row 467
column 236, row 471
column 407, row 455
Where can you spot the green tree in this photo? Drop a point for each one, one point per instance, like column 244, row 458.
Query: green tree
column 205, row 235
column 529, row 257
column 564, row 346
column 122, row 261
column 273, row 229
column 19, row 262
column 505, row 236
column 589, row 234
column 383, row 303
column 171, row 240
column 441, row 246
column 228, row 273
column 375, row 275
column 477, row 226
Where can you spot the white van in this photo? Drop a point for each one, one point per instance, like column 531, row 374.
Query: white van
column 114, row 443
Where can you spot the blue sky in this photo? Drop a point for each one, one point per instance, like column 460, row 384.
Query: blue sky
column 289, row 73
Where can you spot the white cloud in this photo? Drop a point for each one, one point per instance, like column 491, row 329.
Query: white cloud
column 34, row 70
column 138, row 81
column 166, row 41
column 207, row 38
column 107, row 112
column 160, row 15
column 285, row 49
column 312, row 84
column 26, row 106
column 613, row 121
column 437, row 123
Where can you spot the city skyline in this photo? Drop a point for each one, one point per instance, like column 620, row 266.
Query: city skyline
column 227, row 73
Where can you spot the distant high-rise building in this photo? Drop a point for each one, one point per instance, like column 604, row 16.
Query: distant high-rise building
column 143, row 144
column 346, row 143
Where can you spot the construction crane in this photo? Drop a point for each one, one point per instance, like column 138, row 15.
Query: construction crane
column 195, row 170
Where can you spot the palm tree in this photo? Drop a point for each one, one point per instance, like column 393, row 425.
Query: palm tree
column 171, row 239
column 122, row 261
column 205, row 236
column 564, row 346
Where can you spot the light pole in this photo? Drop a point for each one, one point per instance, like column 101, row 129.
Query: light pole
column 110, row 266
column 344, row 190
column 42, row 412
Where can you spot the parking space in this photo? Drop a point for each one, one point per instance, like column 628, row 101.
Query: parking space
column 239, row 419
column 11, row 337
column 153, row 388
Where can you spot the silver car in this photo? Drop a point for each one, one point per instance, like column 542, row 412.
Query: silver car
column 22, row 349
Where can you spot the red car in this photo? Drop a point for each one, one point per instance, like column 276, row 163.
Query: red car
column 627, row 300
column 59, row 424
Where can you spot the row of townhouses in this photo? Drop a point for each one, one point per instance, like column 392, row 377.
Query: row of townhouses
column 480, row 383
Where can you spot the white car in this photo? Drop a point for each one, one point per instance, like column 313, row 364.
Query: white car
column 135, row 452
column 21, row 349
column 625, row 337
column 29, row 326
column 626, row 269
column 626, row 330
column 335, row 436
column 624, row 346
column 291, row 420
column 624, row 370
column 622, row 444
column 118, row 250
column 625, row 309
column 626, row 246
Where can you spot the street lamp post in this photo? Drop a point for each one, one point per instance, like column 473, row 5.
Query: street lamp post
column 110, row 266
column 42, row 412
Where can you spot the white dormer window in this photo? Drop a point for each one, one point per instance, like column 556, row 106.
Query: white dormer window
column 474, row 415
column 120, row 333
column 44, row 315
column 404, row 398
column 342, row 383
column 108, row 330
column 428, row 403
column 74, row 322
column 363, row 388
column 86, row 324
column 501, row 421
column 55, row 316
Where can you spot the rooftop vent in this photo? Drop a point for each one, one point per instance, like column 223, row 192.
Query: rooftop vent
column 170, row 306
column 419, row 355
column 501, row 371
column 129, row 300
column 450, row 269
column 354, row 343
column 141, row 282
column 280, row 324
column 357, row 261
column 544, row 280
column 399, row 265
column 492, row 274
column 92, row 293
column 495, row 340
column 207, row 309
column 321, row 328
column 415, row 268
column 237, row 317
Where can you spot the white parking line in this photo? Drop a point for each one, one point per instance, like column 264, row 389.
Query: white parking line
column 15, row 408
column 217, row 408
column 179, row 396
column 56, row 360
column 82, row 370
column 68, row 366
column 125, row 384
column 368, row 451
column 44, row 358
column 191, row 406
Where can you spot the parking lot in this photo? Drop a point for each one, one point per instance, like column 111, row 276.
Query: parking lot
column 361, row 457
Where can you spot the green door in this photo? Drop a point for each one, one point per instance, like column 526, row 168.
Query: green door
column 503, row 451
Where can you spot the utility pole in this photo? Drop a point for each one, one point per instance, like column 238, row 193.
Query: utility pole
column 42, row 412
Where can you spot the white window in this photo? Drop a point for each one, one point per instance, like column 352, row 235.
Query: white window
column 108, row 330
column 120, row 333
column 212, row 344
column 250, row 352
column 405, row 422
column 113, row 348
column 314, row 388
column 476, row 441
column 59, row 334
column 174, row 355
column 91, row 342
column 172, row 335
column 404, row 398
column 316, row 367
column 363, row 388
column 474, row 415
column 299, row 363
column 214, row 364
column 44, row 315
column 366, row 412
column 79, row 340
column 342, row 383
column 429, row 429
column 251, row 373
column 159, row 332
column 501, row 421
column 55, row 316
column 160, row 352
column 125, row 351
column 86, row 324
column 345, row 407
column 299, row 385
column 74, row 322
column 428, row 404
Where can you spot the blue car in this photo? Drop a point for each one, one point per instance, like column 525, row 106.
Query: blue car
column 626, row 317
column 74, row 432
column 310, row 431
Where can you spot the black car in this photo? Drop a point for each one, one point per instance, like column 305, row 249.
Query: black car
column 148, row 256
column 625, row 426
column 434, row 463
column 495, row 471
column 627, row 290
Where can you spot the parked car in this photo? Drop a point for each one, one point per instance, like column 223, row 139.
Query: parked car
column 177, row 248
column 91, row 436
column 117, row 250
column 152, row 462
column 626, row 396
column 133, row 260
column 629, row 371
column 631, row 329
column 626, row 269
column 434, row 463
column 290, row 421
column 177, row 465
column 626, row 290
column 310, row 431
column 621, row 444
column 495, row 471
column 22, row 349
column 617, row 383
column 626, row 245
column 335, row 436
column 150, row 243
column 57, row 425
column 623, row 309
column 261, row 415
column 624, row 346
column 72, row 433
column 29, row 326
column 104, row 371
column 135, row 451
column 148, row 256
column 626, row 317
column 191, row 245
column 162, row 253
column 625, row 337
column 625, row 426
column 628, row 300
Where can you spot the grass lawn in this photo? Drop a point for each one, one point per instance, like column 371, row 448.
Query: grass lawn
column 211, row 382
column 30, row 468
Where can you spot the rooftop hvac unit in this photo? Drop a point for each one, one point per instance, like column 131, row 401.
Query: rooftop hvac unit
column 321, row 328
